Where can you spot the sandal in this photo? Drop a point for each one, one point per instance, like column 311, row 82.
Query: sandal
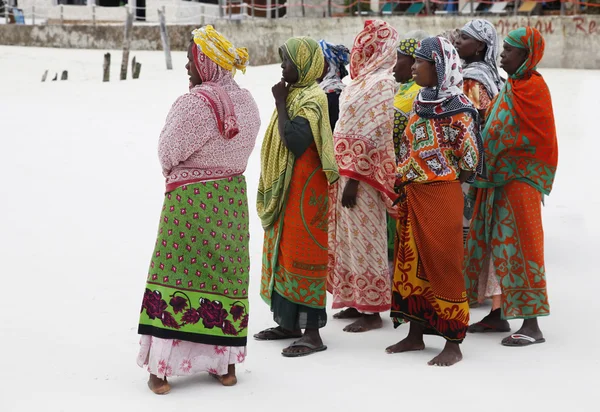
column 311, row 349
column 519, row 339
column 481, row 327
column 162, row 389
column 277, row 333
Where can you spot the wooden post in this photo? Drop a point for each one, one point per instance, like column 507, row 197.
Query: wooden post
column 428, row 7
column 94, row 14
column 64, row 75
column 126, row 44
column 62, row 16
column 516, row 9
column 44, row 76
column 328, row 8
column 472, row 8
column 252, row 5
column 33, row 15
column 106, row 68
column 202, row 14
column 133, row 65
column 136, row 70
column 164, row 37
column 303, row 10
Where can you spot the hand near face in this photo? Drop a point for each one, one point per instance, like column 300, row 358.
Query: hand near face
column 280, row 92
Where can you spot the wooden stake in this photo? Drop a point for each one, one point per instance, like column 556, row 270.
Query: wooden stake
column 106, row 68
column 44, row 76
column 136, row 71
column 133, row 65
column 164, row 36
column 126, row 44
column 64, row 75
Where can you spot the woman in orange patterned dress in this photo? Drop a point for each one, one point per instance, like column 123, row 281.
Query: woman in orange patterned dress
column 505, row 245
column 439, row 150
column 297, row 164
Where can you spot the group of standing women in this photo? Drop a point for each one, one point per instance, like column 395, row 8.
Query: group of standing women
column 426, row 139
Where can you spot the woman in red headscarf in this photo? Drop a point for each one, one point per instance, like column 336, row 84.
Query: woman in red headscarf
column 359, row 275
column 505, row 244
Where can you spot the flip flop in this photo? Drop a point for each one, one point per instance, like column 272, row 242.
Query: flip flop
column 298, row 344
column 518, row 339
column 225, row 381
column 481, row 327
column 275, row 334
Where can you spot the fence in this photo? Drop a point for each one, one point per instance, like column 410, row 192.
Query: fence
column 187, row 12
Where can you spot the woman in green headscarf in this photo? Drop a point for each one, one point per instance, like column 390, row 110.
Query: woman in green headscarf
column 297, row 165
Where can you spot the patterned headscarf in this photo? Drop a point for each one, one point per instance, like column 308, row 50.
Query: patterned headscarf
column 447, row 99
column 485, row 72
column 520, row 133
column 307, row 100
column 408, row 47
column 307, row 57
column 363, row 143
column 374, row 49
column 530, row 39
column 216, row 66
column 220, row 50
column 450, row 35
column 337, row 57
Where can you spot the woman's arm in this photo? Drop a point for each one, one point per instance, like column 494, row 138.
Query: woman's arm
column 189, row 125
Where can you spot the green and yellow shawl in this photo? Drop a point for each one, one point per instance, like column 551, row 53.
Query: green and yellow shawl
column 307, row 100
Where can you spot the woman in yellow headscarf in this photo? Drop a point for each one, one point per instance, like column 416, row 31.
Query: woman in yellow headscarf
column 297, row 164
column 194, row 315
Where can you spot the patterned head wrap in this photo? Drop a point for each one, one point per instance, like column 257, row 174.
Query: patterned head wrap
column 216, row 67
column 337, row 57
column 408, row 47
column 485, row 72
column 220, row 50
column 447, row 99
column 450, row 35
column 374, row 49
column 530, row 39
column 306, row 55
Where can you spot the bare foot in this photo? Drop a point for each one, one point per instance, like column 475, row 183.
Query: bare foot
column 349, row 313
column 227, row 380
column 158, row 386
column 414, row 340
column 493, row 322
column 447, row 357
column 365, row 323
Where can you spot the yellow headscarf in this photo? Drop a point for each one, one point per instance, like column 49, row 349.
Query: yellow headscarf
column 220, row 50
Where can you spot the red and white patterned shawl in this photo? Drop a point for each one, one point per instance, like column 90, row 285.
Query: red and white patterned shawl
column 363, row 140
column 213, row 79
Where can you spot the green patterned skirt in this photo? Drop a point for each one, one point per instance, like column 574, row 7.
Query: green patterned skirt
column 197, row 286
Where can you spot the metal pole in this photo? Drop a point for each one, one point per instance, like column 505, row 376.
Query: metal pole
column 472, row 8
column 516, row 10
column 359, row 8
column 229, row 3
column 328, row 8
column 33, row 15
column 203, row 12
column 62, row 17
column 428, row 7
column 252, row 5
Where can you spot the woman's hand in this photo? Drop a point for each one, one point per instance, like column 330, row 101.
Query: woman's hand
column 280, row 92
column 464, row 175
column 350, row 193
